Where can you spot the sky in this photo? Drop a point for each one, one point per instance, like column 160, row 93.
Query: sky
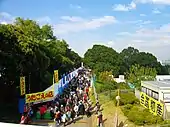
column 143, row 24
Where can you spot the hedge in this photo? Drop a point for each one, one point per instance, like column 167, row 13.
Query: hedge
column 139, row 115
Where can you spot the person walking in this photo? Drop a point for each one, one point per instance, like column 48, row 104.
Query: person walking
column 100, row 119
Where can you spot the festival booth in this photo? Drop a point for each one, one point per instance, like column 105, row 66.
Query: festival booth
column 50, row 93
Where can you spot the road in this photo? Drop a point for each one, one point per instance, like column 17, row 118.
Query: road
column 81, row 122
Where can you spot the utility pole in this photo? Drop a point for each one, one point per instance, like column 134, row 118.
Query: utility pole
column 116, row 114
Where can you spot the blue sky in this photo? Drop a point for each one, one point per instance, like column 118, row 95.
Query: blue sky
column 144, row 24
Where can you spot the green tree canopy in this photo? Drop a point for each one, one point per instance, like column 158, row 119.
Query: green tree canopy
column 131, row 56
column 102, row 58
column 26, row 48
column 139, row 73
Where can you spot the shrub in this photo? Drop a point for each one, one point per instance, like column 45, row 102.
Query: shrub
column 123, row 86
column 139, row 115
column 103, row 87
column 125, row 98
column 126, row 109
column 128, row 98
column 165, row 122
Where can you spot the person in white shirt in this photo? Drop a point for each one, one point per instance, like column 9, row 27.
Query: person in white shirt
column 76, row 108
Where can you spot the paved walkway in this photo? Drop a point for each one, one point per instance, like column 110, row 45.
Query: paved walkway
column 85, row 122
column 80, row 122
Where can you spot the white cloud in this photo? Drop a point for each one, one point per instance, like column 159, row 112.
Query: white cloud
column 139, row 23
column 72, row 18
column 6, row 18
column 146, row 22
column 156, row 11
column 160, row 2
column 132, row 5
column 150, row 37
column 68, row 24
column 110, row 43
column 44, row 20
column 5, row 23
column 75, row 6
column 5, row 15
column 142, row 15
column 120, row 7
column 154, row 40
column 83, row 24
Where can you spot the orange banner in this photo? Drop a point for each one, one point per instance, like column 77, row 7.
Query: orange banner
column 40, row 96
column 22, row 85
column 56, row 76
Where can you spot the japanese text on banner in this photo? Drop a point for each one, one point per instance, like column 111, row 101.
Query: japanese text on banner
column 154, row 106
column 22, row 85
column 56, row 75
column 40, row 96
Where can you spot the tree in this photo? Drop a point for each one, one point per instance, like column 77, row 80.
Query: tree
column 105, row 76
column 101, row 58
column 26, row 48
column 139, row 73
column 132, row 56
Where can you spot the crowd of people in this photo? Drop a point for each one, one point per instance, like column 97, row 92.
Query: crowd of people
column 74, row 102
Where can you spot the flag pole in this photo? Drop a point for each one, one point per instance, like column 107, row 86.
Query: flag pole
column 53, row 82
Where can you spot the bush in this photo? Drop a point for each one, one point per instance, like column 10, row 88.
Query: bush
column 126, row 109
column 165, row 122
column 125, row 98
column 128, row 98
column 103, row 87
column 123, row 86
column 139, row 115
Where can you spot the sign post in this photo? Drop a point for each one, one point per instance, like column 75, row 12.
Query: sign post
column 22, row 85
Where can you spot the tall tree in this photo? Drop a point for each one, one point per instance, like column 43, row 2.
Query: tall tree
column 102, row 58
column 139, row 73
column 26, row 48
column 132, row 56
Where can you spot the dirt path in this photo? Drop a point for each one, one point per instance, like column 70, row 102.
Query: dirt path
column 85, row 122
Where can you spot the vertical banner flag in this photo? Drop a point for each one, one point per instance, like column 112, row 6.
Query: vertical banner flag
column 22, row 85
column 63, row 79
column 69, row 76
column 72, row 74
column 53, row 83
column 56, row 75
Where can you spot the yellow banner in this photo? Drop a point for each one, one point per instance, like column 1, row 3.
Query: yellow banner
column 56, row 76
column 40, row 96
column 22, row 85
column 154, row 106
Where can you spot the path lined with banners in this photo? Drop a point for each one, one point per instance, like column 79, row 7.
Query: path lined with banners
column 72, row 108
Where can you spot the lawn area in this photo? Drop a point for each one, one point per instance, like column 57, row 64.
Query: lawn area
column 109, row 110
column 129, row 110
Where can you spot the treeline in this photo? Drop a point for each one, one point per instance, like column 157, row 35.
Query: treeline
column 31, row 50
column 101, row 58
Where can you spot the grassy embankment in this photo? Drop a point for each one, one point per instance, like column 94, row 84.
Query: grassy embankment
column 135, row 113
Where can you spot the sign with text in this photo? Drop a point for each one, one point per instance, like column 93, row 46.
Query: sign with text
column 22, row 85
column 56, row 76
column 40, row 96
column 154, row 106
